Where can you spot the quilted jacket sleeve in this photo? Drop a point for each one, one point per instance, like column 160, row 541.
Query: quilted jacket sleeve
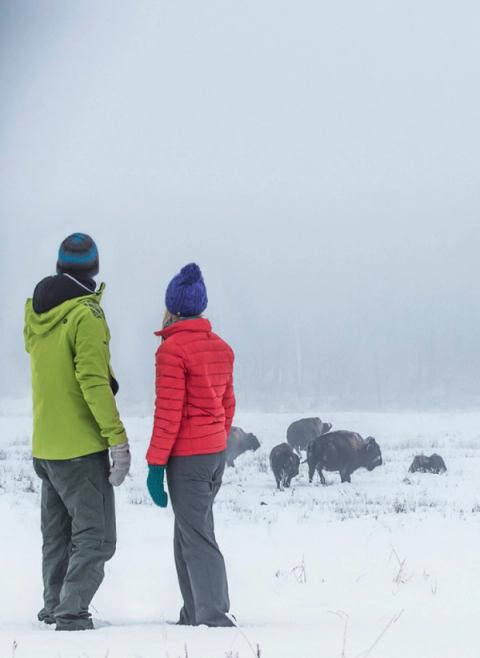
column 229, row 402
column 169, row 400
column 92, row 371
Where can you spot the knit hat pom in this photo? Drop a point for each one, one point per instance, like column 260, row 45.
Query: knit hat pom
column 190, row 274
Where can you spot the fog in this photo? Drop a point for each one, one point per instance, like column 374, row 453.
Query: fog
column 320, row 161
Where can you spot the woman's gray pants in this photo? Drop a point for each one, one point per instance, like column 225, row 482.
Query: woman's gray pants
column 193, row 483
column 79, row 536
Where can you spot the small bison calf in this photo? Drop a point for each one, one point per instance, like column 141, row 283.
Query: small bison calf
column 344, row 452
column 284, row 463
column 424, row 464
column 239, row 442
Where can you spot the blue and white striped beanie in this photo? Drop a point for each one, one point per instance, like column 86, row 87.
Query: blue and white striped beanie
column 78, row 254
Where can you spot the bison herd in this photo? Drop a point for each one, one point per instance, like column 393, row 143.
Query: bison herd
column 341, row 451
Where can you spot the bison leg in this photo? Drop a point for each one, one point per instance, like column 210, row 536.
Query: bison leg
column 322, row 477
column 345, row 476
column 278, row 478
column 311, row 471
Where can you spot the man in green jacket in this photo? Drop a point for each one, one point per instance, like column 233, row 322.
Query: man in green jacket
column 75, row 423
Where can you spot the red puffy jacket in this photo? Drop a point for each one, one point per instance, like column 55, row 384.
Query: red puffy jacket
column 195, row 402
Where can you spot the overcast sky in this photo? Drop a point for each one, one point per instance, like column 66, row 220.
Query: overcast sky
column 319, row 160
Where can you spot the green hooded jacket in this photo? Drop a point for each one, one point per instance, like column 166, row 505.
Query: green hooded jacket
column 74, row 410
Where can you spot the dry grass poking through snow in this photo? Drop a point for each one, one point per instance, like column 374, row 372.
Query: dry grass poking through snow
column 356, row 570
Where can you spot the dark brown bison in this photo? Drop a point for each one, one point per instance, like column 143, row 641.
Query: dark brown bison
column 301, row 432
column 344, row 452
column 284, row 463
column 424, row 464
column 239, row 442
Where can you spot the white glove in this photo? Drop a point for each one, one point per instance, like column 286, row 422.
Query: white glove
column 120, row 463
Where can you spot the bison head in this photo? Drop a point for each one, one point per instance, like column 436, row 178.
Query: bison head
column 293, row 464
column 252, row 442
column 437, row 463
column 373, row 454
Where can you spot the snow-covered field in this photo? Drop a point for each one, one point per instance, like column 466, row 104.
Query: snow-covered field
column 387, row 567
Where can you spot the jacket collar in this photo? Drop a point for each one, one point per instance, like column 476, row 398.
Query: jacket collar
column 55, row 290
column 196, row 324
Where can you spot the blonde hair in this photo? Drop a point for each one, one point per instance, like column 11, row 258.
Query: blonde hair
column 169, row 318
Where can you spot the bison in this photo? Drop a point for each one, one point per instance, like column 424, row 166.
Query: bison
column 344, row 452
column 284, row 463
column 239, row 442
column 424, row 464
column 301, row 432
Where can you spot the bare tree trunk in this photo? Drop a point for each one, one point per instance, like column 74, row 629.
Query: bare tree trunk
column 298, row 358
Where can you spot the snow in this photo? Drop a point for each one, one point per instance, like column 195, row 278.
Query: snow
column 386, row 567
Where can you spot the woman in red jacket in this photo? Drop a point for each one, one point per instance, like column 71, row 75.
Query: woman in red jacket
column 194, row 410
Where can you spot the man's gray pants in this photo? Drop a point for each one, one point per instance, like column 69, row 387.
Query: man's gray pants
column 193, row 483
column 79, row 535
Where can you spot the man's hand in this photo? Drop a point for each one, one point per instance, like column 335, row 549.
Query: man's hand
column 120, row 463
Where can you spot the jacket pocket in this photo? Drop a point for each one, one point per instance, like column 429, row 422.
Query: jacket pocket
column 92, row 503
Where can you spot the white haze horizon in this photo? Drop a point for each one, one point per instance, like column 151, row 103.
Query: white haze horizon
column 321, row 163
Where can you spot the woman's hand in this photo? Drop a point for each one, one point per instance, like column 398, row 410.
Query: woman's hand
column 156, row 475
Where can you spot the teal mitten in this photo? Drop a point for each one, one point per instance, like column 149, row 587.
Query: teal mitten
column 155, row 488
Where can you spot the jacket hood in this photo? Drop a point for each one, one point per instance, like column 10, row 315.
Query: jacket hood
column 42, row 323
column 54, row 290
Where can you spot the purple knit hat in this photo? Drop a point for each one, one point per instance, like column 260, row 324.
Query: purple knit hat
column 186, row 293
